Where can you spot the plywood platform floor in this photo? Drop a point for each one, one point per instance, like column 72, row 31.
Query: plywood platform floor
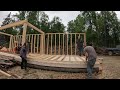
column 73, row 61
column 58, row 61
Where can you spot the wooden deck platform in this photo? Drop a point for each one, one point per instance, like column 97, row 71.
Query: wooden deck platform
column 72, row 63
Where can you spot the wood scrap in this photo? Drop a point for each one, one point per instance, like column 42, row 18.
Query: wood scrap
column 14, row 75
column 6, row 74
column 10, row 74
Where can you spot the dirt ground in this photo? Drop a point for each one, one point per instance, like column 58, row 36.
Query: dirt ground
column 111, row 70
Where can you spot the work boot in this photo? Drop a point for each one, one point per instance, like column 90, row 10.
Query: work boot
column 80, row 54
column 89, row 78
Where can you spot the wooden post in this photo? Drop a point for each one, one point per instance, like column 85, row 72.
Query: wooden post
column 79, row 36
column 37, row 42
column 63, row 44
column 67, row 44
column 71, row 44
column 59, row 44
column 47, row 43
column 41, row 43
column 44, row 43
column 24, row 33
column 51, row 44
column 34, row 42
column 10, row 43
column 75, row 44
column 55, row 44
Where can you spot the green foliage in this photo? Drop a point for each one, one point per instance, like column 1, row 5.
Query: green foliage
column 12, row 31
column 103, row 29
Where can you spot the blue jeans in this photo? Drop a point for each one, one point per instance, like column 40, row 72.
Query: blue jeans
column 81, row 50
column 90, row 65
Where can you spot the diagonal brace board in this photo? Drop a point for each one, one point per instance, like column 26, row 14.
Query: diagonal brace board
column 13, row 24
column 6, row 34
column 32, row 26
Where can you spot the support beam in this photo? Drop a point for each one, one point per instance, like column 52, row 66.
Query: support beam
column 75, row 44
column 44, row 44
column 30, row 25
column 59, row 44
column 32, row 44
column 41, row 43
column 51, row 43
column 71, row 44
column 24, row 33
column 48, row 44
column 6, row 34
column 55, row 44
column 67, row 43
column 63, row 44
column 37, row 42
column 10, row 43
column 13, row 24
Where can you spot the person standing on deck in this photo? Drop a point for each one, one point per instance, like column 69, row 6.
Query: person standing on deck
column 23, row 55
column 80, row 46
column 91, row 56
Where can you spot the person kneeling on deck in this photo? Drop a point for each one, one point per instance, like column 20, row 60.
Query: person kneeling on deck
column 91, row 56
column 23, row 55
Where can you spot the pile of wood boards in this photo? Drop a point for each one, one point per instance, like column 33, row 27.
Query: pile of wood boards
column 7, row 62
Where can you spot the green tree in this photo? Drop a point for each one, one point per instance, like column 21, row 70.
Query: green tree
column 31, row 16
column 56, row 26
column 11, row 30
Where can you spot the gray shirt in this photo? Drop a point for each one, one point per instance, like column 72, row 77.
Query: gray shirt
column 91, row 52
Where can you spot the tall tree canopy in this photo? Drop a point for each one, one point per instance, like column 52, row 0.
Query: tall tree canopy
column 102, row 28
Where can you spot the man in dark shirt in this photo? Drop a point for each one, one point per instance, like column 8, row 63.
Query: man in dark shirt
column 80, row 46
column 23, row 55
column 91, row 56
column 18, row 48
